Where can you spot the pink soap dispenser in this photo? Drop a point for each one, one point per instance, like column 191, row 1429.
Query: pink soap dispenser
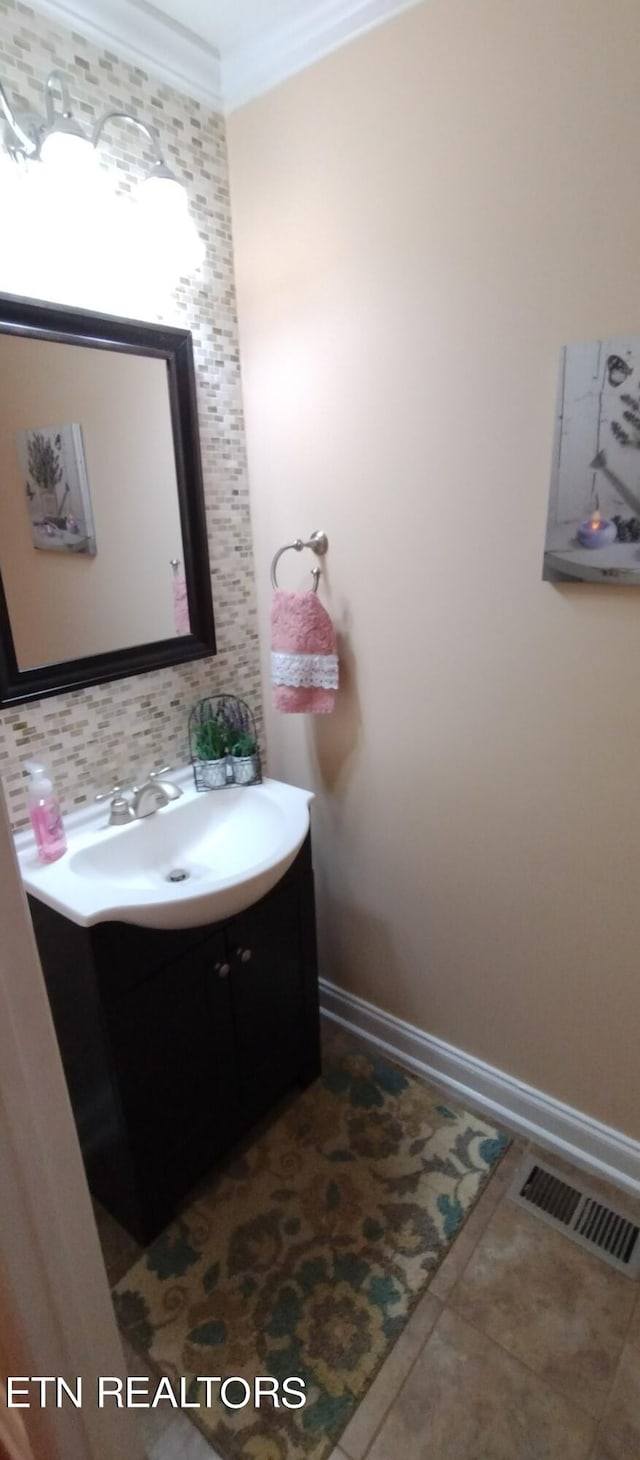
column 46, row 817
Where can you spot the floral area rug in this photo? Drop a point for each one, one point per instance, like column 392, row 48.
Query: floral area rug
column 306, row 1257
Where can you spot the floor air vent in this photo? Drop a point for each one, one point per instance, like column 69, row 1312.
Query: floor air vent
column 580, row 1214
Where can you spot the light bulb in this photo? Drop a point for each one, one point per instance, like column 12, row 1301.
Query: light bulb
column 68, row 152
column 164, row 213
column 162, row 194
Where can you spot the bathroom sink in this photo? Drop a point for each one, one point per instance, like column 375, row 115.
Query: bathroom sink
column 198, row 860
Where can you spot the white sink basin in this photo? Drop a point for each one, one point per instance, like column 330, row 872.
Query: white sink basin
column 233, row 845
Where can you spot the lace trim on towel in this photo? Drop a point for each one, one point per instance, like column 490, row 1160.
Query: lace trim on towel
column 305, row 671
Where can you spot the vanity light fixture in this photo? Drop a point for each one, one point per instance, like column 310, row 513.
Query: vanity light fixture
column 59, row 143
column 63, row 143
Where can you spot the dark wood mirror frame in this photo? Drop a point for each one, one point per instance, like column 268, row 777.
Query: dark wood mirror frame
column 37, row 320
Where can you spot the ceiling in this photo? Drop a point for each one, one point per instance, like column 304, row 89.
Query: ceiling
column 225, row 52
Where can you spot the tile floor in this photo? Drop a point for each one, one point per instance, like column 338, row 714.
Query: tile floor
column 524, row 1347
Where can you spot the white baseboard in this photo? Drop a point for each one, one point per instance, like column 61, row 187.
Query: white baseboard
column 529, row 1112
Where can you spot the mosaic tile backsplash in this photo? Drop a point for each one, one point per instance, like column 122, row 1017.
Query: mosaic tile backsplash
column 119, row 731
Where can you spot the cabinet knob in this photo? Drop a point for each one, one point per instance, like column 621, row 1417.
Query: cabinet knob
column 223, row 970
column 244, row 954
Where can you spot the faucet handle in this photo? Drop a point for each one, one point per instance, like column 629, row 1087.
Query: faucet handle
column 120, row 811
column 114, row 793
column 143, row 780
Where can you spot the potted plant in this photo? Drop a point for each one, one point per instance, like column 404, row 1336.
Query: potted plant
column 244, row 757
column 211, row 744
column 242, row 743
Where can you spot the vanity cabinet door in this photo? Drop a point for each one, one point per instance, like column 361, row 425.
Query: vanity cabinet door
column 264, row 950
column 171, row 1044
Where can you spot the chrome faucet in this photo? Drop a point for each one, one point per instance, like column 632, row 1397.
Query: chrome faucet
column 145, row 799
column 153, row 794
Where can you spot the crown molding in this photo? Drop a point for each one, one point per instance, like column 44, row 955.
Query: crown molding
column 278, row 52
column 139, row 32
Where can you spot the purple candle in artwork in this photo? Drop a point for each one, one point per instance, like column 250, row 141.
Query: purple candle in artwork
column 597, row 532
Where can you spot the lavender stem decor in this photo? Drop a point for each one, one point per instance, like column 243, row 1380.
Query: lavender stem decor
column 223, row 742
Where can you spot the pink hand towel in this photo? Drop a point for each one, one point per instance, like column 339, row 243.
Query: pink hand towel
column 181, row 620
column 304, row 661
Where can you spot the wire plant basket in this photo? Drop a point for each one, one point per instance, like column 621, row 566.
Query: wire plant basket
column 223, row 744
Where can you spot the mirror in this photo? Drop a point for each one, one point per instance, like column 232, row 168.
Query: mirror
column 104, row 570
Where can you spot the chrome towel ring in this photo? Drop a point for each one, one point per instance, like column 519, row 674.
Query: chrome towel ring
column 319, row 544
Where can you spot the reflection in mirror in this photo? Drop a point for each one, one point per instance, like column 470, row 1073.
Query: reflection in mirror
column 67, row 432
column 103, row 554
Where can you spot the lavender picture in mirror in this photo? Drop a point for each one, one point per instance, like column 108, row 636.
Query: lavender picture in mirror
column 54, row 470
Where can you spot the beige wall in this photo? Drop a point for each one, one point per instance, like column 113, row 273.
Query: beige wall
column 420, row 222
column 67, row 606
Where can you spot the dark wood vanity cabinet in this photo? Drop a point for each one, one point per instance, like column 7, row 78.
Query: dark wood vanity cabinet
column 175, row 1043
